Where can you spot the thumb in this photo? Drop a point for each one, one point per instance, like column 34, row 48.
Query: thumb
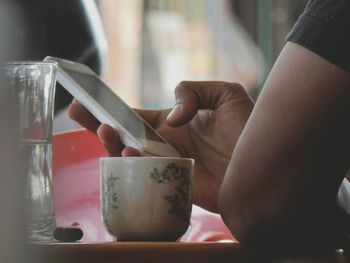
column 186, row 105
column 192, row 96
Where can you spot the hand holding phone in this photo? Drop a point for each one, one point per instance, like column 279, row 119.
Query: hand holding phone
column 107, row 107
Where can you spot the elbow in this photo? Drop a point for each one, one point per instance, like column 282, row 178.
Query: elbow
column 258, row 213
column 279, row 225
column 242, row 221
column 254, row 224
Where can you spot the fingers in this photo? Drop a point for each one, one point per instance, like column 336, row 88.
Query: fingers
column 109, row 136
column 78, row 113
column 153, row 117
column 110, row 140
column 128, row 151
column 186, row 105
column 192, row 96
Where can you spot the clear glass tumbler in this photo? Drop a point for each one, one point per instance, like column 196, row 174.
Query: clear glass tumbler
column 34, row 82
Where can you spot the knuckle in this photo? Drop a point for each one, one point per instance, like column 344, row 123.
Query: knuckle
column 233, row 86
column 182, row 85
column 181, row 88
column 233, row 90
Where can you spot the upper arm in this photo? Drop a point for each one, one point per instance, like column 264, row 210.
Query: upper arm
column 295, row 149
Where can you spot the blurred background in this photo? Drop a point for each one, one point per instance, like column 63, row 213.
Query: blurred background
column 142, row 49
column 152, row 45
column 145, row 48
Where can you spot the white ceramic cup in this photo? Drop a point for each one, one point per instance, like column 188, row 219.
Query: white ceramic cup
column 146, row 198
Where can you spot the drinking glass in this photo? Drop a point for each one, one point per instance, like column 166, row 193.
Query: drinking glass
column 34, row 82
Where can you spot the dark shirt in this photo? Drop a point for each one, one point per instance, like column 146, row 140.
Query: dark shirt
column 324, row 28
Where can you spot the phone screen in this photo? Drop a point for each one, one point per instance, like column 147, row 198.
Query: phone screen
column 107, row 107
column 114, row 105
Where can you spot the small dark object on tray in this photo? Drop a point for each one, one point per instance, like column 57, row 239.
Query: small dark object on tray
column 68, row 234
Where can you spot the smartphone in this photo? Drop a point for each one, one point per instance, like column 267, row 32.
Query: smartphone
column 85, row 85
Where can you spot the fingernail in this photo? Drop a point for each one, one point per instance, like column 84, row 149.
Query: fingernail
column 98, row 132
column 175, row 111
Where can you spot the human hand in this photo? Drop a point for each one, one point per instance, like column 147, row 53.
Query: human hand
column 205, row 125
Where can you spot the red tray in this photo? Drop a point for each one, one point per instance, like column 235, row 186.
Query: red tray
column 77, row 196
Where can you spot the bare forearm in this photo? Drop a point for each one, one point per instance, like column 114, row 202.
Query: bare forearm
column 292, row 155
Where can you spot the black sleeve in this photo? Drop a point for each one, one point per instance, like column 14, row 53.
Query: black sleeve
column 324, row 28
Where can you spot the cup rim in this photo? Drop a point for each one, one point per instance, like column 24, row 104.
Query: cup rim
column 30, row 62
column 145, row 157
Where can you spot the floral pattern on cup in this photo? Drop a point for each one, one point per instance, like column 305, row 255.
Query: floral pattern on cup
column 180, row 206
column 110, row 198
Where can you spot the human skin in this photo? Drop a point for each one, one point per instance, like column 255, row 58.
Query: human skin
column 272, row 172
column 282, row 181
column 205, row 125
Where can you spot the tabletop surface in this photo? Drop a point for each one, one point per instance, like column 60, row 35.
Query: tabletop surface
column 171, row 252
column 76, row 188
